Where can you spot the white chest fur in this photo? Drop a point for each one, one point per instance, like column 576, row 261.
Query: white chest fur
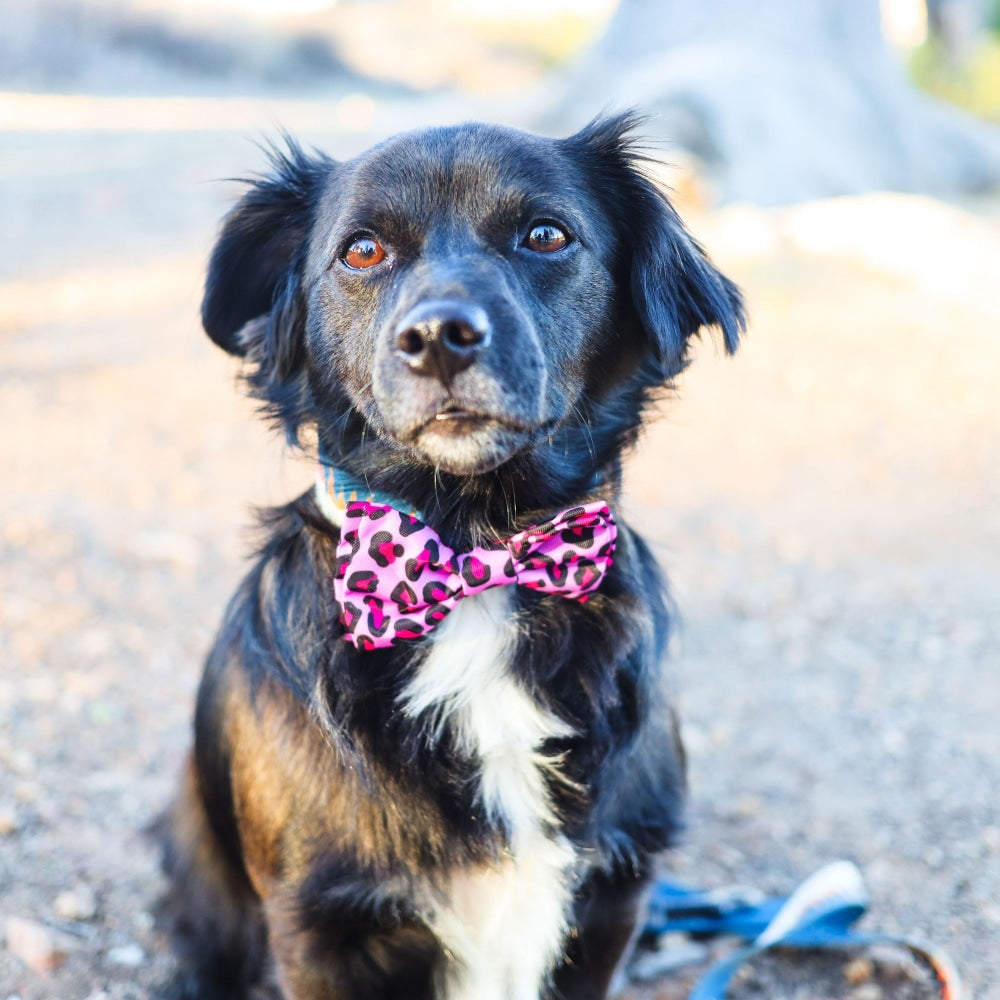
column 502, row 925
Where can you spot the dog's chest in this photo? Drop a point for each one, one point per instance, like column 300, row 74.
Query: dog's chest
column 502, row 924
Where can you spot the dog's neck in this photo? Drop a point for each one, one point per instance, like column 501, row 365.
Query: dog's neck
column 335, row 488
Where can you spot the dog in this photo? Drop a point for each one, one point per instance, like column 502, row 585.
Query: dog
column 454, row 782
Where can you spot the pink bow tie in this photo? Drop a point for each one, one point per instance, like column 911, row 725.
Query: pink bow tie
column 395, row 579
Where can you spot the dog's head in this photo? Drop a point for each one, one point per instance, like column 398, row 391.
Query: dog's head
column 466, row 296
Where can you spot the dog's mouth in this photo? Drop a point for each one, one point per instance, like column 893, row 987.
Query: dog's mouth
column 468, row 441
column 455, row 420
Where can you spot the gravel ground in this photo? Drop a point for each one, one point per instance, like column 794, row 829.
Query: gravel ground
column 827, row 505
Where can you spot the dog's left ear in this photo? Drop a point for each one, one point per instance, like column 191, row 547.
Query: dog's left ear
column 676, row 290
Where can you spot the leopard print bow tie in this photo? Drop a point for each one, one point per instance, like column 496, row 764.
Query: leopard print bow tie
column 395, row 579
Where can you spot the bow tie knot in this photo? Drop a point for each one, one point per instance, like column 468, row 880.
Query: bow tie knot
column 394, row 578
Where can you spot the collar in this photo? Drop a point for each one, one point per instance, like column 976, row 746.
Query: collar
column 335, row 489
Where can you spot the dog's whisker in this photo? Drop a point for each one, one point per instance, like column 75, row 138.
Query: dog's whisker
column 587, row 432
column 508, row 501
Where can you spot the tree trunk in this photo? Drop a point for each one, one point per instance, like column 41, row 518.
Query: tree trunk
column 781, row 101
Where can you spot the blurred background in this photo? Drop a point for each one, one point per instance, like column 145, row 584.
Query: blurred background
column 826, row 503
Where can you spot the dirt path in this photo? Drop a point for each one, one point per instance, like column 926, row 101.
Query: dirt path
column 827, row 505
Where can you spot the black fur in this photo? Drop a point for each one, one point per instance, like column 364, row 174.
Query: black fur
column 313, row 806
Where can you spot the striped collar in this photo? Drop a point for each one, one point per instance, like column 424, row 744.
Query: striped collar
column 335, row 489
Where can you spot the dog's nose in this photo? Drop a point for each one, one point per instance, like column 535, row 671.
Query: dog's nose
column 442, row 337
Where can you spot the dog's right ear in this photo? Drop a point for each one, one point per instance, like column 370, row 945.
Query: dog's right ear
column 256, row 262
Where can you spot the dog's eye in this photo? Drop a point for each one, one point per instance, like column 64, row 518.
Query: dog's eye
column 545, row 237
column 365, row 251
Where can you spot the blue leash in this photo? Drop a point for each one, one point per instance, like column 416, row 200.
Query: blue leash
column 819, row 914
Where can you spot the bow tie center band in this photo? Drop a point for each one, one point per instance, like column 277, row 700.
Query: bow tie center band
column 395, row 579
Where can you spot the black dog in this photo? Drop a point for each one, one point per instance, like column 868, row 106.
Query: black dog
column 469, row 322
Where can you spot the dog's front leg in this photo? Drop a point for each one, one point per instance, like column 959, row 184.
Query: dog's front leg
column 332, row 955
column 606, row 921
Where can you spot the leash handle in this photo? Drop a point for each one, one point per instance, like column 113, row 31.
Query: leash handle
column 818, row 914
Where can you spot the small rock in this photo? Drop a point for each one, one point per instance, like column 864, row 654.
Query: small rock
column 934, row 857
column 748, row 806
column 129, row 955
column 859, row 970
column 748, row 977
column 897, row 963
column 40, row 948
column 8, row 821
column 27, row 791
column 78, row 903
column 649, row 965
column 869, row 991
